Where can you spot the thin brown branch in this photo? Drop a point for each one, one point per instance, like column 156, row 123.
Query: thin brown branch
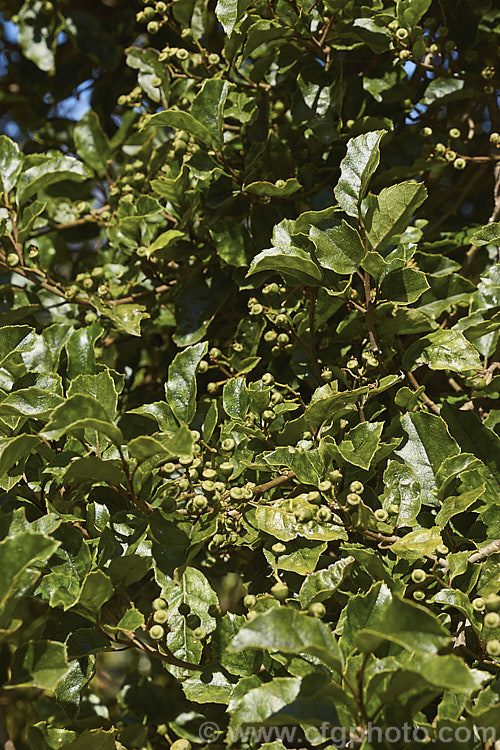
column 425, row 398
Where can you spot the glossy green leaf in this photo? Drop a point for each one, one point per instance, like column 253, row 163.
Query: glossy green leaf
column 442, row 350
column 180, row 389
column 357, row 167
column 340, row 248
column 11, row 161
column 321, row 585
column 427, row 445
column 80, row 412
column 407, row 624
column 402, row 489
column 91, row 142
column 235, row 398
column 417, row 544
column 489, row 234
column 389, row 213
column 36, row 37
column 205, row 119
column 289, row 632
column 229, row 12
column 49, row 171
column 360, row 444
column 404, row 285
column 39, row 664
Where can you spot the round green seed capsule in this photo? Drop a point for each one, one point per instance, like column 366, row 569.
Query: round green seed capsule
column 418, row 575
column 459, row 163
column 159, row 603
column 478, row 604
column 156, row 632
column 318, row 610
column 160, row 616
column 280, row 591
column 200, row 633
column 402, row 34
column 491, row 620
column 227, row 444
column 418, row 595
column 278, row 548
column 335, row 476
column 454, row 133
column 356, row 487
column 381, row 514
column 493, row 647
column 324, row 514
column 12, row 260
column 353, row 498
column 249, row 601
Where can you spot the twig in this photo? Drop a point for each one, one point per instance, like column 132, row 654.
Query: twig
column 435, row 408
column 261, row 488
column 369, row 317
column 484, row 552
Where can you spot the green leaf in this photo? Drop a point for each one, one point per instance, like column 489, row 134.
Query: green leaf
column 320, row 586
column 448, row 672
column 417, row 544
column 150, row 68
column 127, row 317
column 474, row 437
column 91, row 142
column 280, row 522
column 40, row 664
column 50, row 170
column 193, row 590
column 456, row 504
column 14, row 449
column 404, row 285
column 101, row 387
column 80, row 412
column 442, row 350
column 363, row 610
column 290, row 632
column 230, row 242
column 411, row 11
column 229, row 12
column 235, row 398
column 402, row 489
column 180, row 389
column 301, row 556
column 290, row 186
column 96, row 589
column 80, row 350
column 308, row 701
column 409, row 625
column 360, row 444
column 489, row 234
column 131, row 620
column 30, row 402
column 428, row 444
column 440, row 88
column 357, row 167
column 339, row 249
column 17, row 553
column 11, row 161
column 205, row 119
column 36, row 38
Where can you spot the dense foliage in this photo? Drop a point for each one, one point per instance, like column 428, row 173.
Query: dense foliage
column 250, row 314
